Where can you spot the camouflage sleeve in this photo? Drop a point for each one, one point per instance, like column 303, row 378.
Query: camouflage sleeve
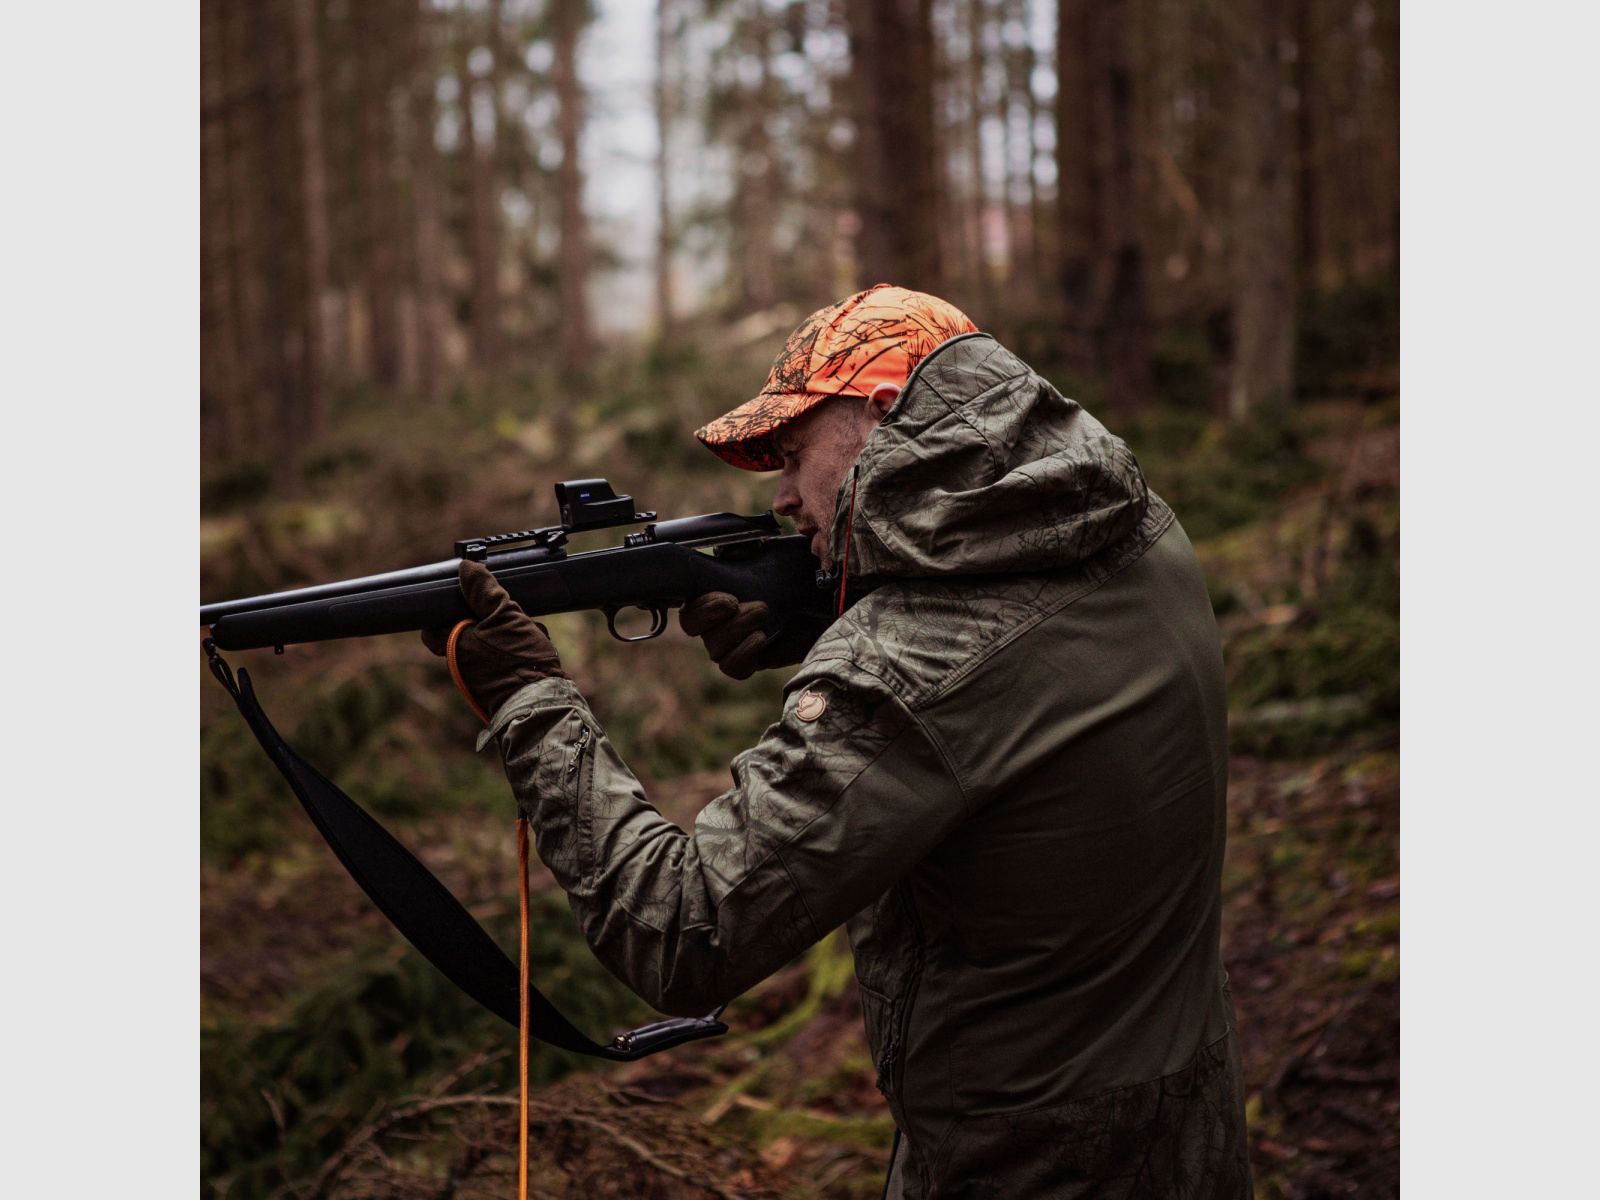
column 838, row 800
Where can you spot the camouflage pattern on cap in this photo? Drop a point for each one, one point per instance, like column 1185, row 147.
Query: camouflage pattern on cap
column 848, row 348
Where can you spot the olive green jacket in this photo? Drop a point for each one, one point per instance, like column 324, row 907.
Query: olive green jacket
column 1005, row 768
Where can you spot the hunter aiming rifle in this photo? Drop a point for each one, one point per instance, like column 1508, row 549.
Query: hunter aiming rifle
column 660, row 567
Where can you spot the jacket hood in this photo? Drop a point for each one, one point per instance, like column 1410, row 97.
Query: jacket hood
column 982, row 467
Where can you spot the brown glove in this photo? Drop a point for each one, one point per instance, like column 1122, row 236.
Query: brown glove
column 734, row 633
column 498, row 654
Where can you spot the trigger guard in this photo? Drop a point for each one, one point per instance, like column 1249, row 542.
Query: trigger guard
column 658, row 622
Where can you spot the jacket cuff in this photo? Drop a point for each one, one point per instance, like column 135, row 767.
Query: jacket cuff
column 544, row 693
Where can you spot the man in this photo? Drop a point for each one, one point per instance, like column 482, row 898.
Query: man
column 1004, row 765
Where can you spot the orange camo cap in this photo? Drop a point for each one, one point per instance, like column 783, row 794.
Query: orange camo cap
column 846, row 349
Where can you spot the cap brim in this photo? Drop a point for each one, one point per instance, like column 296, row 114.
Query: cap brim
column 747, row 437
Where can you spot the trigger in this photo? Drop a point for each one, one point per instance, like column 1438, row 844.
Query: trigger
column 658, row 623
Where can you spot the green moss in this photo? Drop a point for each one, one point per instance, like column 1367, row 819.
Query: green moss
column 1384, row 926
column 1348, row 337
column 1358, row 963
column 767, row 1124
column 1333, row 671
column 1220, row 475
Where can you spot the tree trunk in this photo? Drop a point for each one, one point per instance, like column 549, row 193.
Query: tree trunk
column 506, row 170
column 1262, row 238
column 250, row 419
column 664, row 111
column 898, row 169
column 1040, row 237
column 572, row 268
column 1078, row 182
column 483, row 218
column 313, row 216
column 1099, row 198
column 873, row 201
column 219, row 349
column 1022, row 197
column 378, row 195
column 1122, row 326
column 429, row 238
column 756, row 196
column 978, row 199
column 1307, row 181
column 1384, row 124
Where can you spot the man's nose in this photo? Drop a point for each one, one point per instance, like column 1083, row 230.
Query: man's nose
column 786, row 501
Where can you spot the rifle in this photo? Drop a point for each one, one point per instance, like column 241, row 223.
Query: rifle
column 657, row 568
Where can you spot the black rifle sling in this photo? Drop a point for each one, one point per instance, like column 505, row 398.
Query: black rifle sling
column 426, row 912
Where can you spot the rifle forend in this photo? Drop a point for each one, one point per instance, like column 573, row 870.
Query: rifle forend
column 658, row 568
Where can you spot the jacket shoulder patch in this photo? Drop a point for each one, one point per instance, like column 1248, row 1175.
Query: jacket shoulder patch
column 811, row 705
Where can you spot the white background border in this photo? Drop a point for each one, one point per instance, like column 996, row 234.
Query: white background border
column 99, row 307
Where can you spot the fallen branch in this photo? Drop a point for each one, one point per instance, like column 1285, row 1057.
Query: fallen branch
column 368, row 1134
column 374, row 1129
column 644, row 1155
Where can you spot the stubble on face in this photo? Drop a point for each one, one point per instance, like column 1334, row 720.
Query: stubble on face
column 818, row 450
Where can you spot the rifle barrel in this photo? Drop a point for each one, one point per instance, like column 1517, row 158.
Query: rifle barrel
column 448, row 568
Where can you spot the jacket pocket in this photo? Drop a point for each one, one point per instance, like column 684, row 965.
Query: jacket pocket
column 887, row 942
column 577, row 782
column 881, row 1015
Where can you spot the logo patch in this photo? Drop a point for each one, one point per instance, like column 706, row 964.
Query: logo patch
column 810, row 706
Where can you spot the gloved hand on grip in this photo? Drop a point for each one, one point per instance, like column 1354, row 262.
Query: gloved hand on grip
column 501, row 652
column 734, row 633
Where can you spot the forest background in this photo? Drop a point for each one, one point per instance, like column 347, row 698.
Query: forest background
column 437, row 276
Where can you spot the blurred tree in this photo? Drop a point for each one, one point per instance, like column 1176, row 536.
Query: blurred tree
column 313, row 215
column 1021, row 117
column 1078, row 184
column 897, row 182
column 242, row 99
column 219, row 329
column 1121, row 328
column 428, row 234
column 1307, row 183
column 757, row 183
column 1261, row 232
column 374, row 65
column 567, row 19
column 1099, row 166
column 667, row 33
column 478, row 134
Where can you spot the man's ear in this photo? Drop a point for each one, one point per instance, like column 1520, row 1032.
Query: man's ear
column 882, row 400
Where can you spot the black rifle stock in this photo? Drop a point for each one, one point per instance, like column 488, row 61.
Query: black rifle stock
column 658, row 568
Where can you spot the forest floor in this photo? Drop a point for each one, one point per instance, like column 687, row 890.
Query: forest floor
column 785, row 1105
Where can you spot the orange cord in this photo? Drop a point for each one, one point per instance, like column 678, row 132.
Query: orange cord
column 455, row 669
column 523, row 1023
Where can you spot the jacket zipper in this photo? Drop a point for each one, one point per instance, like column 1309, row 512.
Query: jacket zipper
column 893, row 1057
column 577, row 751
column 579, row 780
